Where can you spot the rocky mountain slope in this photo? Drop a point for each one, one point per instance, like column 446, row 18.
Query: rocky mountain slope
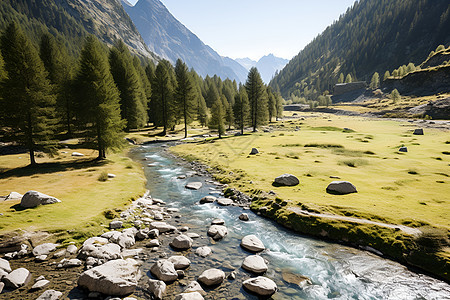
column 167, row 37
column 267, row 65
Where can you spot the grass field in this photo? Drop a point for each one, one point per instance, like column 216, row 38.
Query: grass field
column 399, row 188
column 75, row 182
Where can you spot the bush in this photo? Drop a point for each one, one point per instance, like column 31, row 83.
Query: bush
column 432, row 238
column 103, row 176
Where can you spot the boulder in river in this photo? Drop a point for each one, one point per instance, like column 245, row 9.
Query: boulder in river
column 244, row 217
column 164, row 270
column 194, row 286
column 217, row 232
column 255, row 264
column 286, row 180
column 189, row 296
column 181, row 242
column 180, row 262
column 194, row 185
column 157, row 288
column 341, row 188
column 208, row 199
column 252, row 243
column 161, row 226
column 212, row 277
column 33, row 199
column 262, row 286
column 224, row 201
column 203, row 251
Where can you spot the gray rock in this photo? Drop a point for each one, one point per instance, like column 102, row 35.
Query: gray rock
column 194, row 185
column 131, row 252
column 218, row 221
column 193, row 235
column 44, row 249
column 71, row 263
column 157, row 288
column 158, row 216
column 117, row 277
column 203, row 251
column 255, row 264
column 13, row 196
column 224, row 201
column 254, row 151
column 77, row 154
column 418, row 131
column 189, row 296
column 403, row 149
column 41, row 258
column 261, row 286
column 194, row 286
column 208, row 199
column 107, row 252
column 341, row 188
column 212, row 277
column 142, row 234
column 164, row 270
column 181, row 242
column 243, row 217
column 252, row 243
column 161, row 226
column 59, row 253
column 2, row 285
column 32, row 199
column 180, row 274
column 4, row 265
column 286, row 180
column 110, row 175
column 72, row 249
column 50, row 295
column 2, row 274
column 97, row 241
column 39, row 285
column 180, row 262
column 217, row 232
column 153, row 243
column 17, row 278
column 126, row 240
column 115, row 224
column 39, row 278
column 154, row 233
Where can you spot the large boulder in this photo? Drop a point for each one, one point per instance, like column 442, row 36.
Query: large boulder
column 262, row 286
column 50, row 295
column 44, row 249
column 252, row 243
column 194, row 286
column 212, row 277
column 116, row 277
column 203, row 251
column 32, row 199
column 164, row 270
column 14, row 196
column 181, row 242
column 255, row 264
column 286, row 180
column 17, row 278
column 157, row 288
column 217, row 232
column 194, row 185
column 224, row 201
column 341, row 188
column 180, row 262
column 4, row 265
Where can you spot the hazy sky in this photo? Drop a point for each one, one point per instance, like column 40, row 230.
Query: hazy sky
column 254, row 28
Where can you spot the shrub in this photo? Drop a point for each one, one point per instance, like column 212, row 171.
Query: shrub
column 432, row 238
column 354, row 162
column 103, row 176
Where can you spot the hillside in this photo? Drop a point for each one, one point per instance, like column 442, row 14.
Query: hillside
column 372, row 36
column 170, row 39
column 267, row 65
column 72, row 20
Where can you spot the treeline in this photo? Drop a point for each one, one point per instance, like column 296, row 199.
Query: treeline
column 46, row 93
column 372, row 36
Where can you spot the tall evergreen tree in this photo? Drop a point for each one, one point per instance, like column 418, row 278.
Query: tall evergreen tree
column 348, row 79
column 150, row 74
column 99, row 98
column 28, row 100
column 279, row 105
column 241, row 109
column 185, row 94
column 162, row 96
column 375, row 82
column 211, row 95
column 145, row 83
column 132, row 96
column 386, row 75
column 271, row 104
column 217, row 120
column 257, row 98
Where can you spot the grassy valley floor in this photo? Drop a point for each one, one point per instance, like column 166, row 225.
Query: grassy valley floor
column 410, row 189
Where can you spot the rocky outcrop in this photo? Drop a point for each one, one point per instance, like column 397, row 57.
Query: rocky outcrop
column 437, row 110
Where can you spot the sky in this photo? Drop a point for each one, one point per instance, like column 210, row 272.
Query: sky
column 254, row 28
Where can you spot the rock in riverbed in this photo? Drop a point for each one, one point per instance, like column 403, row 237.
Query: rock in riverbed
column 181, row 242
column 261, row 286
column 50, row 295
column 164, row 270
column 212, row 277
column 157, row 288
column 17, row 278
column 252, row 243
column 217, row 232
column 255, row 264
column 194, row 185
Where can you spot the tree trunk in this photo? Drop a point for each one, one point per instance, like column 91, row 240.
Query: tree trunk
column 185, row 118
column 30, row 140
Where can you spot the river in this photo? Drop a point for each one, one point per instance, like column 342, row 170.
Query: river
column 335, row 271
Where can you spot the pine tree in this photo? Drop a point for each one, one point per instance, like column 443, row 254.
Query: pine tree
column 271, row 104
column 162, row 96
column 211, row 95
column 150, row 74
column 3, row 76
column 28, row 99
column 98, row 98
column 257, row 98
column 145, row 84
column 241, row 109
column 395, row 95
column 217, row 120
column 279, row 106
column 341, row 78
column 375, row 82
column 185, row 94
column 386, row 75
column 348, row 79
column 132, row 96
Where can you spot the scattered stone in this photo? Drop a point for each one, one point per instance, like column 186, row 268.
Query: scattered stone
column 32, row 199
column 164, row 270
column 131, row 252
column 72, row 263
column 17, row 278
column 261, row 286
column 189, row 296
column 418, row 131
column 194, row 286
column 254, row 151
column 39, row 285
column 116, row 277
column 243, row 217
column 157, row 288
column 403, row 149
column 341, row 188
column 4, row 265
column 286, row 180
column 208, row 199
column 153, row 243
column 158, row 216
column 181, row 242
column 110, row 175
column 232, row 275
column 184, row 228
column 180, row 274
column 193, row 235
column 44, row 249
column 39, row 278
column 59, row 254
column 218, row 221
column 172, row 210
column 252, row 243
column 142, row 234
column 41, row 258
column 180, row 262
column 13, row 196
column 255, row 264
column 181, row 177
column 107, row 252
column 77, row 154
column 194, row 185
column 217, row 232
column 126, row 240
column 224, row 201
column 212, row 277
column 203, row 251
column 299, row 280
column 115, row 224
column 154, row 233
column 162, row 227
column 50, row 295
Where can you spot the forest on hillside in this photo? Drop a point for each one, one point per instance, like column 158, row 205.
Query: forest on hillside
column 372, row 36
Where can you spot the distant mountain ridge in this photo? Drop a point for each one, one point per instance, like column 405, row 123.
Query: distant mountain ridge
column 167, row 37
column 267, row 65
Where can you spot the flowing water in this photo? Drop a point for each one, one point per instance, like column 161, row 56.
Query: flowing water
column 335, row 271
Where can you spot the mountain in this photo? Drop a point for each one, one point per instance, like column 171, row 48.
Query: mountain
column 72, row 20
column 267, row 65
column 170, row 39
column 246, row 62
column 372, row 36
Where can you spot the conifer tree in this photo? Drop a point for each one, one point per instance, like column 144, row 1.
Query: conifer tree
column 211, row 95
column 279, row 106
column 375, row 82
column 185, row 94
column 217, row 120
column 341, row 78
column 98, row 98
column 386, row 75
column 2, row 78
column 28, row 100
column 241, row 109
column 257, row 98
column 145, row 84
column 162, row 96
column 132, row 97
column 348, row 79
column 150, row 74
column 271, row 104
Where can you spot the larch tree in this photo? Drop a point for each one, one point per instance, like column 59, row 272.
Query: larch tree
column 145, row 83
column 185, row 94
column 217, row 120
column 348, row 79
column 241, row 109
column 28, row 99
column 162, row 96
column 271, row 104
column 279, row 106
column 98, row 98
column 257, row 98
column 386, row 75
column 375, row 82
column 341, row 78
